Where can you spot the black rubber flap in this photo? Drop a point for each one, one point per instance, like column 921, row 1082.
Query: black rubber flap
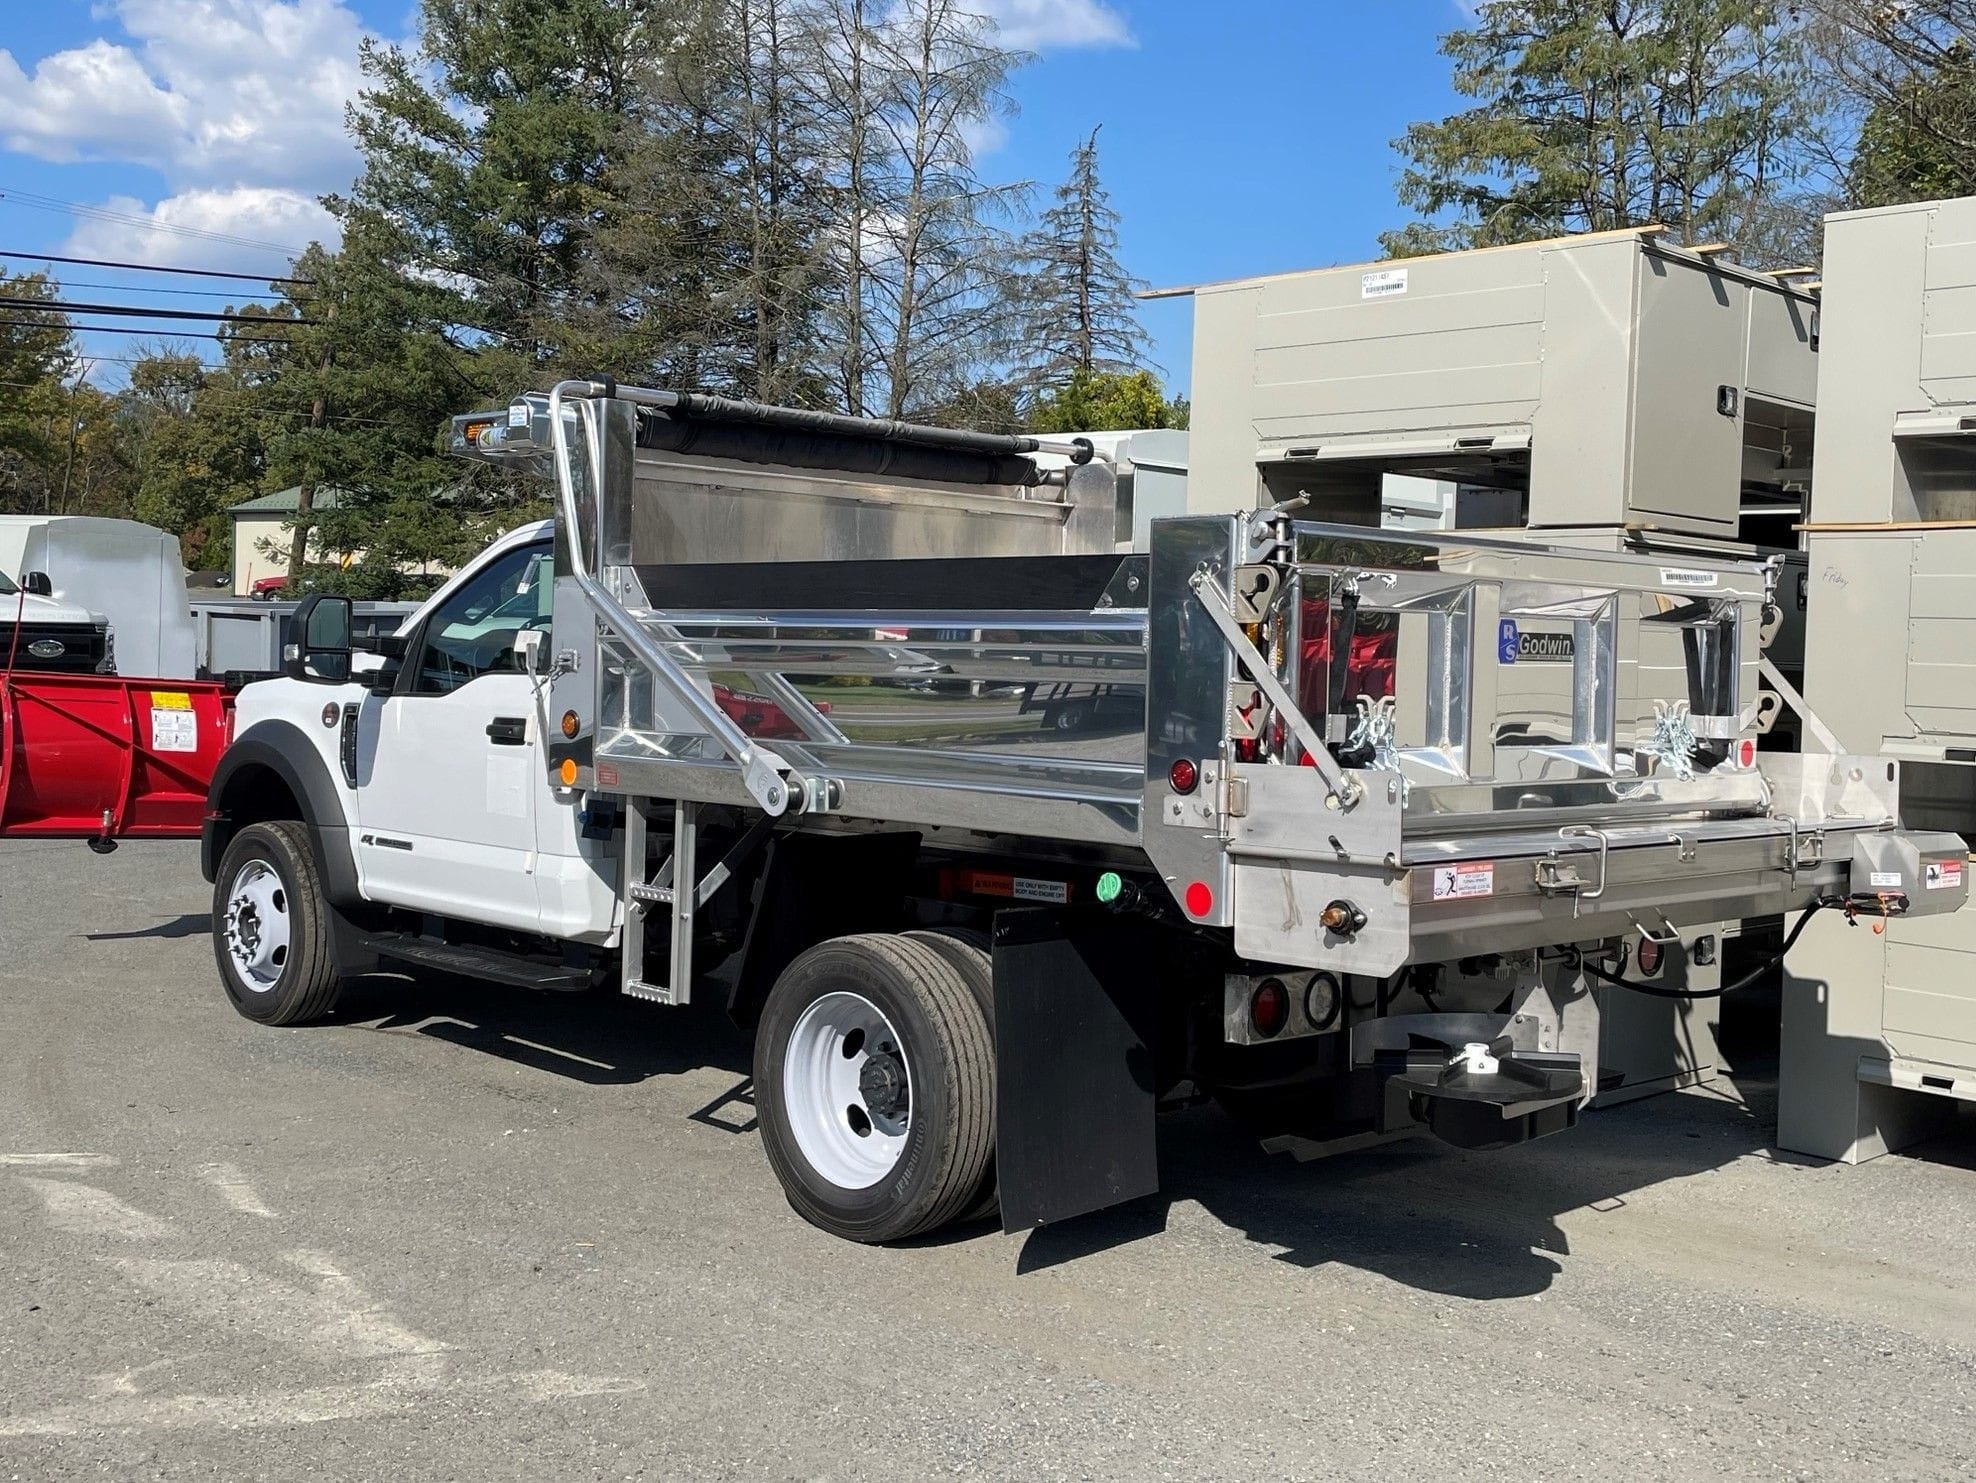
column 1074, row 1074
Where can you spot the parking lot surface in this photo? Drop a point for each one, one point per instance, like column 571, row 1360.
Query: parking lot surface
column 467, row 1232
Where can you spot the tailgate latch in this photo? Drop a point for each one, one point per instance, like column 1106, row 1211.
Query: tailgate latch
column 1560, row 876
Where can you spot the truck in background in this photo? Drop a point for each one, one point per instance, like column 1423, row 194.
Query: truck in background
column 128, row 576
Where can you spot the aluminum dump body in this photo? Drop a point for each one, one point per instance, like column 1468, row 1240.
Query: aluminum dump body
column 1479, row 746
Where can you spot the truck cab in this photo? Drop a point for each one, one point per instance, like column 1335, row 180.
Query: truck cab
column 42, row 633
column 359, row 736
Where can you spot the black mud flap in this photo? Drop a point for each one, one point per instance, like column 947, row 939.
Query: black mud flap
column 1074, row 1067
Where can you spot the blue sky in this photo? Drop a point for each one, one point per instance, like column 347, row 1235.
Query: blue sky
column 1246, row 136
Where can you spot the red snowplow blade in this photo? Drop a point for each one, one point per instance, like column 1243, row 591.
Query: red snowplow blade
column 105, row 757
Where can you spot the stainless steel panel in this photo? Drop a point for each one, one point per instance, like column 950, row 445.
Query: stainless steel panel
column 686, row 509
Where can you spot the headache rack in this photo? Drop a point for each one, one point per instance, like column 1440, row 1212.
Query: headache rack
column 1356, row 749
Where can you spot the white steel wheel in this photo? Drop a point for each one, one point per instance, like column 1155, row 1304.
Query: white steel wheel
column 257, row 925
column 848, row 1090
column 271, row 926
column 875, row 1086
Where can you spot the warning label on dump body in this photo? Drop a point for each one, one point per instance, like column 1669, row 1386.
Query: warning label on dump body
column 1944, row 875
column 1460, row 882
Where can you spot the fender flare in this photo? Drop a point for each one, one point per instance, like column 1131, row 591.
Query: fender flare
column 284, row 750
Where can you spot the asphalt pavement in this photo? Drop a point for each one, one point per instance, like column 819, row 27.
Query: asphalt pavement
column 463, row 1232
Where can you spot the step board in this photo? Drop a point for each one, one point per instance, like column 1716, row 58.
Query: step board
column 488, row 963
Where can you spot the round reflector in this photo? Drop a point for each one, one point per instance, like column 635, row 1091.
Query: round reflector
column 1184, row 775
column 1649, row 956
column 569, row 772
column 1746, row 753
column 572, row 723
column 1269, row 1008
column 1199, row 900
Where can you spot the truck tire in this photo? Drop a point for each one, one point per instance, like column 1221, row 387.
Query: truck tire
column 271, row 926
column 875, row 1087
column 969, row 953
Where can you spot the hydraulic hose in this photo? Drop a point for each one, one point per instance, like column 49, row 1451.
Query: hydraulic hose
column 1661, row 991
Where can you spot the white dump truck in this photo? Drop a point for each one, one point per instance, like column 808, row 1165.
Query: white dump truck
column 1348, row 827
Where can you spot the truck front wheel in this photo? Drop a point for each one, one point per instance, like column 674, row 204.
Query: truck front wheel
column 875, row 1086
column 271, row 926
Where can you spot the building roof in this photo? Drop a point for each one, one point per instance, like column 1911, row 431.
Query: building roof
column 287, row 501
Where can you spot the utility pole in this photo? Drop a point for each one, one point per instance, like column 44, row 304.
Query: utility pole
column 305, row 493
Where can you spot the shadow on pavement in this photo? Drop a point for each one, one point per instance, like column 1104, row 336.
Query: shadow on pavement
column 600, row 1038
column 1433, row 1217
column 1436, row 1218
column 198, row 924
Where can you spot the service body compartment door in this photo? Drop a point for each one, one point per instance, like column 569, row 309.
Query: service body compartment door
column 1686, row 447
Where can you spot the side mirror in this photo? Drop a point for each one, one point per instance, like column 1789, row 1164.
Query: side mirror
column 321, row 640
column 391, row 649
column 37, row 584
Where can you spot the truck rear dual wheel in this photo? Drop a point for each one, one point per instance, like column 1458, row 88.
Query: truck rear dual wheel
column 875, row 1087
column 271, row 926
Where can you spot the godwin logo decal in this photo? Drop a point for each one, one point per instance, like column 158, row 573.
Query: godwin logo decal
column 1516, row 647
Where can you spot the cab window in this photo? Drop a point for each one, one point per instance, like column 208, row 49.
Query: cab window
column 472, row 633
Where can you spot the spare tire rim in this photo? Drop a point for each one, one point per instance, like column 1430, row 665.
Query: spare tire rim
column 256, row 925
column 847, row 1090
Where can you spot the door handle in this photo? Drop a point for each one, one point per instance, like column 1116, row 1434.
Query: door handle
column 508, row 731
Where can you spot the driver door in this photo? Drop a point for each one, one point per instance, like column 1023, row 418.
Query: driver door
column 446, row 807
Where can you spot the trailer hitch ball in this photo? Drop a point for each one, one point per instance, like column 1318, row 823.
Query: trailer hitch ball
column 1342, row 919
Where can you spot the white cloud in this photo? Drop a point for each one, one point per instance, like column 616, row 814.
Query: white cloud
column 205, row 228
column 1056, row 25
column 213, row 94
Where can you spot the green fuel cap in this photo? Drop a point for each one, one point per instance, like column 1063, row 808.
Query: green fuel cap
column 1110, row 886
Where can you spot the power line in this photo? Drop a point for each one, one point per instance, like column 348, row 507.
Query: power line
column 105, row 262
column 69, row 285
column 117, row 329
column 62, row 306
column 147, row 223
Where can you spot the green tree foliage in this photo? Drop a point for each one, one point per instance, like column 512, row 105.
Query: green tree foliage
column 1906, row 76
column 357, row 401
column 37, row 357
column 489, row 153
column 1079, row 316
column 1597, row 114
column 1897, row 162
column 778, row 199
column 711, row 270
column 1106, row 401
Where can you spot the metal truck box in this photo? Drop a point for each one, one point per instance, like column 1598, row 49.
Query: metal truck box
column 1611, row 379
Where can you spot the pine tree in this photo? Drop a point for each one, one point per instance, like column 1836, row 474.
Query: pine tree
column 489, row 152
column 1598, row 114
column 1079, row 316
column 712, row 270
